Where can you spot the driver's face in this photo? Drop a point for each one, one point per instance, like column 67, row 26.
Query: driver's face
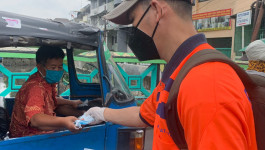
column 54, row 64
column 51, row 64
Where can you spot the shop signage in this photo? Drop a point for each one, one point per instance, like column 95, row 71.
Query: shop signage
column 243, row 18
column 212, row 21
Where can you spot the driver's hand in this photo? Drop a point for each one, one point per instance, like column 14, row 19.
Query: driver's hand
column 97, row 113
column 75, row 103
column 69, row 123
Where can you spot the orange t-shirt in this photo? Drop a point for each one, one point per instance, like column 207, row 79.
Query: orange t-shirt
column 212, row 105
column 36, row 96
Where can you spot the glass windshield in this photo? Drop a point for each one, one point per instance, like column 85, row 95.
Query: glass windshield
column 118, row 86
column 86, row 66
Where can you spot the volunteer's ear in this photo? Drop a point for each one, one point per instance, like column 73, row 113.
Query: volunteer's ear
column 159, row 8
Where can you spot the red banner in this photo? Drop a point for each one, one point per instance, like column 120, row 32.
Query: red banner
column 212, row 21
column 218, row 13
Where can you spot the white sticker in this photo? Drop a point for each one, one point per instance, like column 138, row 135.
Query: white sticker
column 44, row 29
column 12, row 23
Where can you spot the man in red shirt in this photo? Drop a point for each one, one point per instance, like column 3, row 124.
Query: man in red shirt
column 213, row 107
column 37, row 100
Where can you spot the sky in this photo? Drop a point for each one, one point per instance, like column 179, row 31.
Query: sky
column 48, row 9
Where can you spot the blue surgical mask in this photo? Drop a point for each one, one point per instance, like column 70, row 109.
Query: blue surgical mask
column 52, row 76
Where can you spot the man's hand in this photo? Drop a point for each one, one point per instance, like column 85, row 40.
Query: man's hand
column 69, row 123
column 97, row 113
column 48, row 123
column 75, row 103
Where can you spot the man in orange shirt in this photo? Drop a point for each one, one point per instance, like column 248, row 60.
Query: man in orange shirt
column 213, row 107
column 37, row 100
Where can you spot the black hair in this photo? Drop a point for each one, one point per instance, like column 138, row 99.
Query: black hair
column 48, row 52
column 182, row 8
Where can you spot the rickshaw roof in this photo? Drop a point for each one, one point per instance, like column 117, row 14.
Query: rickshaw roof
column 21, row 30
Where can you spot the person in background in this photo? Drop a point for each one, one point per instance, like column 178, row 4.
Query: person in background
column 213, row 107
column 255, row 52
column 37, row 100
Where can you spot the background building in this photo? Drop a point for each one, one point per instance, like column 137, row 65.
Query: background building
column 222, row 31
column 215, row 18
column 115, row 35
column 82, row 16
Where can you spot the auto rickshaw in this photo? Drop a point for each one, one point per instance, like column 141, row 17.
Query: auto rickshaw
column 92, row 76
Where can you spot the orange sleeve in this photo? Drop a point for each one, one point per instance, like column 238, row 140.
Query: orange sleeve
column 214, row 109
column 148, row 108
column 35, row 102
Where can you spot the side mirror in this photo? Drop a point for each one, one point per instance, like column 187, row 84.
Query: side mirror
column 115, row 95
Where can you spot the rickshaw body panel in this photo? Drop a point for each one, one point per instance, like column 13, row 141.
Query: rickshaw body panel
column 66, row 140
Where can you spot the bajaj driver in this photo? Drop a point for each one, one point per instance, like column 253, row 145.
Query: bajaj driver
column 37, row 100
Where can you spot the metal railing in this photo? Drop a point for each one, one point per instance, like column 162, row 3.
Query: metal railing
column 12, row 77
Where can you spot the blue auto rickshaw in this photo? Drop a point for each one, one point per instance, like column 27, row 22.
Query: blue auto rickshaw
column 92, row 76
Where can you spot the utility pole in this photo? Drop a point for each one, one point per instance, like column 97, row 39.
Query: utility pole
column 259, row 11
column 256, row 12
column 258, row 19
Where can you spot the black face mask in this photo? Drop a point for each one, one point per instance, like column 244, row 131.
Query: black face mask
column 141, row 44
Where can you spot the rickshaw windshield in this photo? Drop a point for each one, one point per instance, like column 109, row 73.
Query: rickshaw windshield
column 118, row 87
